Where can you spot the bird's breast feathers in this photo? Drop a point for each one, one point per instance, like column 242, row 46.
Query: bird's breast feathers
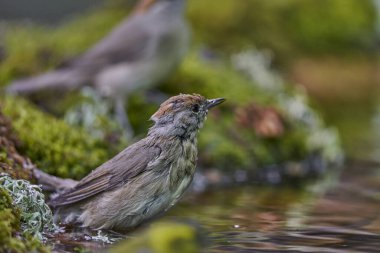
column 183, row 168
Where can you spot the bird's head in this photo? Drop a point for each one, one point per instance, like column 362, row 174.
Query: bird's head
column 156, row 5
column 182, row 115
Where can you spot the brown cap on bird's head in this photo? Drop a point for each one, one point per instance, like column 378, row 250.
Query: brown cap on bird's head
column 173, row 102
column 143, row 5
column 194, row 102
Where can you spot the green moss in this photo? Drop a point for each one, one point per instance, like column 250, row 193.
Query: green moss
column 225, row 143
column 164, row 237
column 229, row 152
column 70, row 152
column 11, row 162
column 331, row 24
column 12, row 238
column 286, row 26
column 52, row 144
column 214, row 79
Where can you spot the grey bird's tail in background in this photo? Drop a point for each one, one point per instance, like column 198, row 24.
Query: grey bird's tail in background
column 60, row 80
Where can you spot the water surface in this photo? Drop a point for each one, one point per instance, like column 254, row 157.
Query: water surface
column 340, row 213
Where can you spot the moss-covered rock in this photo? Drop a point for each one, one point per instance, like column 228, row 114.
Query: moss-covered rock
column 263, row 121
column 24, row 216
column 11, row 162
column 12, row 237
column 52, row 144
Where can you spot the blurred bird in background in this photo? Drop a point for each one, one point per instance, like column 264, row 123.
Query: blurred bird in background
column 136, row 55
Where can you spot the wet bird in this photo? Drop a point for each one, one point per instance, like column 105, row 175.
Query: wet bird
column 136, row 55
column 145, row 179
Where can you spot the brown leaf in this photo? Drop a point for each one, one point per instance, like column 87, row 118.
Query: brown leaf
column 266, row 121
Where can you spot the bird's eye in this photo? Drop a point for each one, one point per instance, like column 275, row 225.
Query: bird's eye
column 195, row 108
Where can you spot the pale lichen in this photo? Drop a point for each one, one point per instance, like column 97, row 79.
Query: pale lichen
column 13, row 237
column 35, row 215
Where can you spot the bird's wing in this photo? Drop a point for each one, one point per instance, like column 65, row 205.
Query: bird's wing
column 128, row 42
column 126, row 165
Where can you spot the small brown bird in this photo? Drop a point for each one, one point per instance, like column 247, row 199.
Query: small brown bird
column 139, row 53
column 145, row 179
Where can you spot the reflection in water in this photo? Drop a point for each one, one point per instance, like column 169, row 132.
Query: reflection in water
column 324, row 216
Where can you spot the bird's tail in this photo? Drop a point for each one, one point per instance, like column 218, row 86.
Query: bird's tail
column 60, row 80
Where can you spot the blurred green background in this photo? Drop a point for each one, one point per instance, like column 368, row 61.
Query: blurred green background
column 311, row 65
column 329, row 46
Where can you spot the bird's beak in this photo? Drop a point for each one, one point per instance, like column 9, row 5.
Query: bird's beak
column 214, row 102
